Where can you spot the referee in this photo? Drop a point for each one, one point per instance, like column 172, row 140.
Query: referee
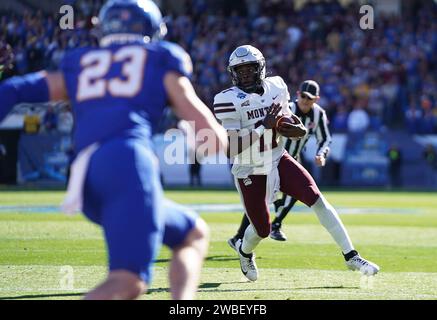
column 315, row 120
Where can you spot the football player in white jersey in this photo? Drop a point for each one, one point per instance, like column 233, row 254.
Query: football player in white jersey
column 314, row 118
column 249, row 111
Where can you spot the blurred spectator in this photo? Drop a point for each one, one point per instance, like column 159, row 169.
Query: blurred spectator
column 395, row 165
column 3, row 151
column 3, row 166
column 340, row 120
column 50, row 120
column 65, row 121
column 195, row 177
column 383, row 69
column 430, row 155
column 358, row 120
column 413, row 117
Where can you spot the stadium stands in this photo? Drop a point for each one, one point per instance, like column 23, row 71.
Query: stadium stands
column 388, row 73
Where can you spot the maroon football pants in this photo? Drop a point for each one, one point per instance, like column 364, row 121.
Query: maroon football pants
column 295, row 181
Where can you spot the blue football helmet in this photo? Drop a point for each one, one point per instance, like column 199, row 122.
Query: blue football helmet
column 135, row 17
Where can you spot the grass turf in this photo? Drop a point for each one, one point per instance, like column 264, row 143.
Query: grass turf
column 36, row 247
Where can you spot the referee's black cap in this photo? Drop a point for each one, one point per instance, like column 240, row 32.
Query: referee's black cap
column 310, row 88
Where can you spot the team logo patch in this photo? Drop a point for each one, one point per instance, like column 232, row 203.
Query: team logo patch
column 247, row 182
column 245, row 103
column 311, row 125
column 241, row 95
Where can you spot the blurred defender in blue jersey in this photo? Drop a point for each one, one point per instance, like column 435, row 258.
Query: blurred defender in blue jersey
column 118, row 92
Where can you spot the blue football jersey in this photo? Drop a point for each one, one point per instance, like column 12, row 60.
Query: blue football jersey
column 118, row 91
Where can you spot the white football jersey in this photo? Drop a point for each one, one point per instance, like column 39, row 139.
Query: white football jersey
column 238, row 110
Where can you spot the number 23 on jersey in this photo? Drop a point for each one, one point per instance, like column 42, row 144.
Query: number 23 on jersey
column 96, row 65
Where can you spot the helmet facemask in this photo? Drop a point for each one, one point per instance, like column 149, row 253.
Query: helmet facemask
column 251, row 57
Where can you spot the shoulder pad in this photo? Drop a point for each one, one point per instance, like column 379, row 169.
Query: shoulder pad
column 277, row 81
column 224, row 107
column 177, row 58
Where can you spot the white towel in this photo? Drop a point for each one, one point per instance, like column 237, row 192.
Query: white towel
column 273, row 185
column 73, row 200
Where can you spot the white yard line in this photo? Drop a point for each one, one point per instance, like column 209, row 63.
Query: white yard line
column 216, row 208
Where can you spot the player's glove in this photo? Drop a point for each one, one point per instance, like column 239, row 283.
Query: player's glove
column 269, row 122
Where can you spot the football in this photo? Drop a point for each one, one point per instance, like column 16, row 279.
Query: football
column 293, row 132
column 283, row 119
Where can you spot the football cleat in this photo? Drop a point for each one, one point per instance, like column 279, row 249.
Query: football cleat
column 247, row 263
column 365, row 267
column 277, row 233
column 232, row 243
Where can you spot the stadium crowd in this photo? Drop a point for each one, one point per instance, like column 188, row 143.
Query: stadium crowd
column 370, row 79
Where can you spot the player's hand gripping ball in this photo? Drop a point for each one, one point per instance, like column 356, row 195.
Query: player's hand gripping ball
column 290, row 127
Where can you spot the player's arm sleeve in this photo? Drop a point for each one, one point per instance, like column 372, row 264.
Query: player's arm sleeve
column 178, row 60
column 31, row 88
column 226, row 113
column 323, row 135
column 229, row 117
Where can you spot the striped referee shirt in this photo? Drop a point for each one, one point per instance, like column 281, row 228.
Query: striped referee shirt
column 316, row 122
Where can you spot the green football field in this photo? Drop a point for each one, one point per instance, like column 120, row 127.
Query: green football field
column 47, row 255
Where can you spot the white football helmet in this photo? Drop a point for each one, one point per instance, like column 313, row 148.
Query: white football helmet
column 247, row 54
